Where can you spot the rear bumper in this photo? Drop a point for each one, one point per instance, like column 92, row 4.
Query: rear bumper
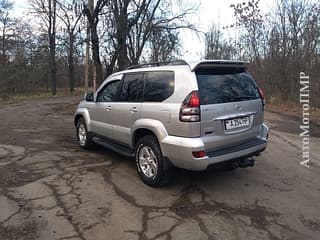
column 179, row 150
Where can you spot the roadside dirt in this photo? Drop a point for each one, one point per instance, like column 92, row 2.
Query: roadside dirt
column 52, row 189
column 288, row 119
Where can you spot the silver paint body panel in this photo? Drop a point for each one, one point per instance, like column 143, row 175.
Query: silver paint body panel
column 119, row 121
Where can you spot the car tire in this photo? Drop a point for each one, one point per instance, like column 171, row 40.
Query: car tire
column 153, row 169
column 84, row 137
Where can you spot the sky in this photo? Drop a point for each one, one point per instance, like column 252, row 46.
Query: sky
column 210, row 11
column 214, row 11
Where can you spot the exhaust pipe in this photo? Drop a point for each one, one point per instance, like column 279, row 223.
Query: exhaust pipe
column 246, row 162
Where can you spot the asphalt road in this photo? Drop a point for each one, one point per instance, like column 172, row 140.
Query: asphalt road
column 52, row 189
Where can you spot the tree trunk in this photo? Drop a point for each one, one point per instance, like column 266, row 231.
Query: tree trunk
column 70, row 62
column 3, row 45
column 122, row 32
column 86, row 74
column 53, row 66
column 95, row 54
column 52, row 46
column 123, row 60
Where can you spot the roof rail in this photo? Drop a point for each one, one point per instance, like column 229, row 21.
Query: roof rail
column 157, row 64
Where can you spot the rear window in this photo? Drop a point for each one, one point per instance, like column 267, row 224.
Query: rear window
column 225, row 85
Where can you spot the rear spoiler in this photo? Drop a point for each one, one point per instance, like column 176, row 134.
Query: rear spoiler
column 207, row 64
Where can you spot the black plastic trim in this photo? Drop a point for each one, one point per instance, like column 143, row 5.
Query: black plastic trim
column 157, row 64
column 235, row 148
column 121, row 149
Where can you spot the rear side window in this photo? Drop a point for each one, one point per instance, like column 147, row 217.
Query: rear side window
column 158, row 86
column 225, row 85
column 132, row 88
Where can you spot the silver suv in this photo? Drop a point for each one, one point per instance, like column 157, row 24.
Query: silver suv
column 176, row 114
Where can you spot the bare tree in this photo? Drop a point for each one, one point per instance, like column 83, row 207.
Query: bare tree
column 281, row 44
column 132, row 23
column 52, row 44
column 47, row 11
column 164, row 44
column 93, row 14
column 249, row 20
column 5, row 7
column 216, row 46
column 70, row 14
column 157, row 18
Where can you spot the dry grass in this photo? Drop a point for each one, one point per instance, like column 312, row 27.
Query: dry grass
column 294, row 110
column 40, row 95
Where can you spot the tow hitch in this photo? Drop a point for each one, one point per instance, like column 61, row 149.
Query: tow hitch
column 246, row 162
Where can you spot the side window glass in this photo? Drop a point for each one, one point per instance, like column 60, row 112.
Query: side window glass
column 132, row 86
column 158, row 86
column 108, row 93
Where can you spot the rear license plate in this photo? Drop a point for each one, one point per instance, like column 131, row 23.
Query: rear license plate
column 237, row 123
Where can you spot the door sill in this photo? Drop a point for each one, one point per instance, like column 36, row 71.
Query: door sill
column 125, row 151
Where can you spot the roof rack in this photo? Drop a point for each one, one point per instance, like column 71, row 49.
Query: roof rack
column 157, row 64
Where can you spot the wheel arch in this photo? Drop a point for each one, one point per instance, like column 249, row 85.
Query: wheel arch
column 82, row 113
column 144, row 127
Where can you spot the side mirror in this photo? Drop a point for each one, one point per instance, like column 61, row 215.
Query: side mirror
column 89, row 96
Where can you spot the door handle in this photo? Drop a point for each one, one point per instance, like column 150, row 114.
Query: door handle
column 109, row 108
column 134, row 110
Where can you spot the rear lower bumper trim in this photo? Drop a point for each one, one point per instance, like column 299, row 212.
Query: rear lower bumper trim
column 235, row 148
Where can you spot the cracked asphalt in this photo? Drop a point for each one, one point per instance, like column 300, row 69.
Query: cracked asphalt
column 52, row 189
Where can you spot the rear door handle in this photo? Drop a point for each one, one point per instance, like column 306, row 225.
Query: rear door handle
column 109, row 108
column 134, row 110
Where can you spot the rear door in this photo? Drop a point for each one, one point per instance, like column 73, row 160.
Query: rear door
column 126, row 110
column 231, row 107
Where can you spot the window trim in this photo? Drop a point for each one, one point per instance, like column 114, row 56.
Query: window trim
column 144, row 77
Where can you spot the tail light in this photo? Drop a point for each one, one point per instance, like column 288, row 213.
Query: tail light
column 190, row 108
column 262, row 96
